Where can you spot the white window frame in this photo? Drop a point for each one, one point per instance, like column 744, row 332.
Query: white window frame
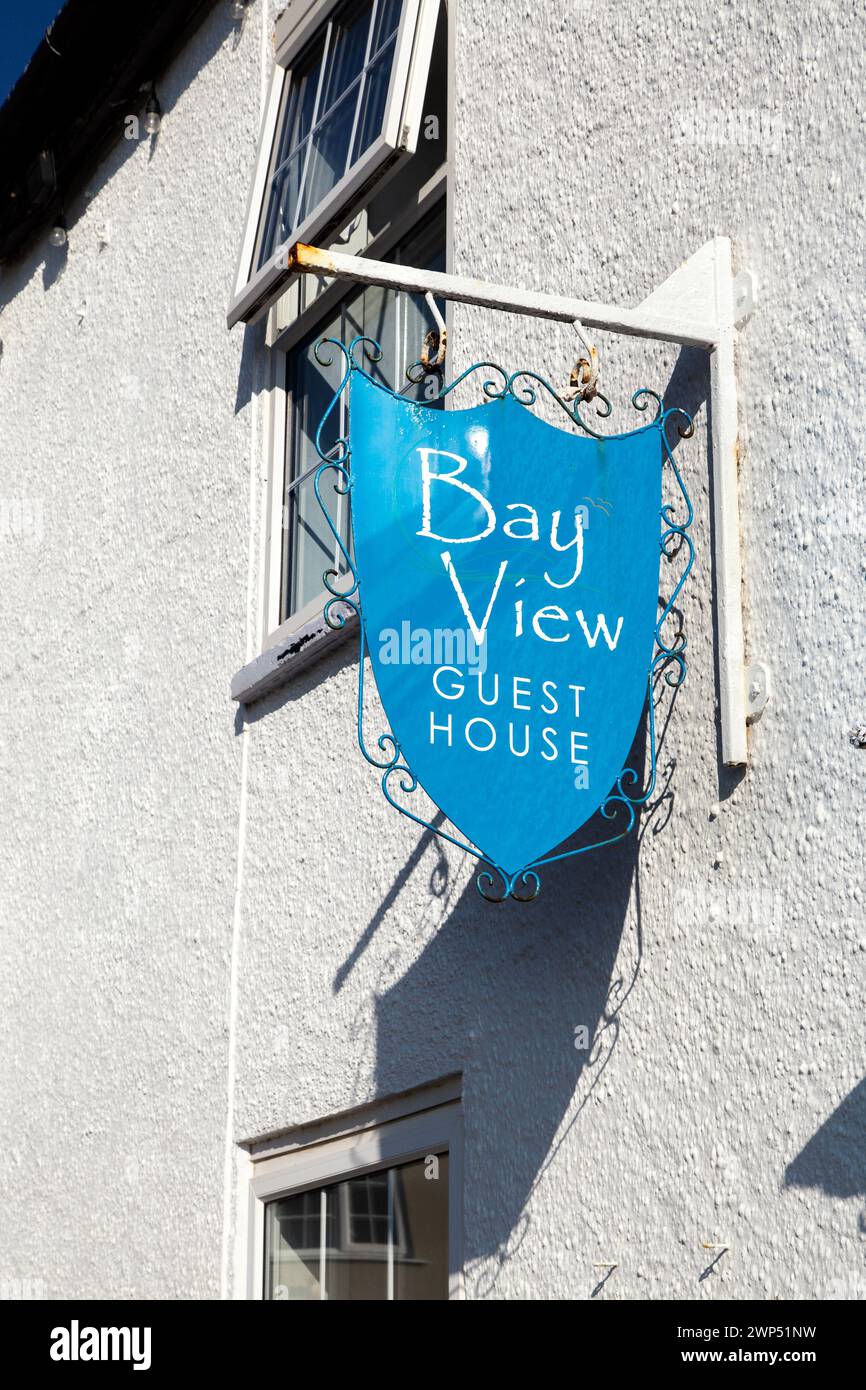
column 364, row 1150
column 255, row 290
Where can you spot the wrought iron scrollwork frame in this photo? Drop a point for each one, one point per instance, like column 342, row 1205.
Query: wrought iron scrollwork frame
column 669, row 659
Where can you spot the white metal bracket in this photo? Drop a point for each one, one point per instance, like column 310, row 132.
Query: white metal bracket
column 700, row 305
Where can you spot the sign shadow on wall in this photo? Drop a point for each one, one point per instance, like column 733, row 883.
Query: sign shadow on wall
column 525, row 1001
column 834, row 1159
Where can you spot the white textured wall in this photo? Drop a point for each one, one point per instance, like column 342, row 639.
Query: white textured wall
column 717, row 960
column 120, row 399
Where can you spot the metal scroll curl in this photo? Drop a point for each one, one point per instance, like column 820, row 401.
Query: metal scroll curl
column 619, row 810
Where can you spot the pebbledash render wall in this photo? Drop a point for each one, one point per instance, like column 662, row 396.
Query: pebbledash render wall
column 213, row 928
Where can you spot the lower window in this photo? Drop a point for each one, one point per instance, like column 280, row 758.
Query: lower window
column 372, row 1215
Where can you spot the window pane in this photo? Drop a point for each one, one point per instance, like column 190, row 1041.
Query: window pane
column 373, row 101
column 421, row 1229
column 368, row 1210
column 292, row 1247
column 300, row 102
column 329, row 152
column 373, row 313
column 386, row 23
column 358, row 1267
column 283, row 202
column 313, row 541
column 332, row 111
column 287, row 161
column 346, row 57
column 312, row 385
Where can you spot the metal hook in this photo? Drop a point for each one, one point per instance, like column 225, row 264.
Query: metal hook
column 583, row 382
column 435, row 340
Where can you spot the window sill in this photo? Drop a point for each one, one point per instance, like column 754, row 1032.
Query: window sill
column 289, row 657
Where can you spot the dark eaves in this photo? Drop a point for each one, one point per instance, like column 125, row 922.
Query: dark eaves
column 94, row 67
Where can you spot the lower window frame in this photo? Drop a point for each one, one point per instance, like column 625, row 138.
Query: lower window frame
column 362, row 1150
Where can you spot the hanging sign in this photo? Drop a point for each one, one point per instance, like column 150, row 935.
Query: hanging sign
column 506, row 574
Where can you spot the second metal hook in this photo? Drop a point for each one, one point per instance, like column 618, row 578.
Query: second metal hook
column 435, row 340
column 583, row 382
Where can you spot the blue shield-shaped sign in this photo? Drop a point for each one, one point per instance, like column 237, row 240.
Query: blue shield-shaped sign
column 509, row 593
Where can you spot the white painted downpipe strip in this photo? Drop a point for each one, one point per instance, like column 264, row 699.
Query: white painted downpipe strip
column 726, row 519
